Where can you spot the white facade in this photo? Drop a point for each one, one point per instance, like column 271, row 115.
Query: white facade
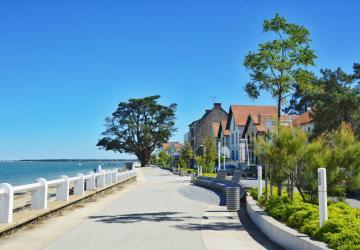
column 308, row 127
column 234, row 139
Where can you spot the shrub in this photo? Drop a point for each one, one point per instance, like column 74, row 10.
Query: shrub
column 340, row 232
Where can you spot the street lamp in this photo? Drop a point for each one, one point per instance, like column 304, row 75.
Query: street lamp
column 226, row 153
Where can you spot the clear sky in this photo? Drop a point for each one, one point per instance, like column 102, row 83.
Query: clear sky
column 64, row 65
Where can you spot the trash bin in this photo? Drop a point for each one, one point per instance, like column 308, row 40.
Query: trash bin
column 233, row 198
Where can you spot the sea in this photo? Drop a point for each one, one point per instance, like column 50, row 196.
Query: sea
column 26, row 172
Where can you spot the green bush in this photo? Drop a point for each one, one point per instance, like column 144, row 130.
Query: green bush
column 209, row 174
column 340, row 232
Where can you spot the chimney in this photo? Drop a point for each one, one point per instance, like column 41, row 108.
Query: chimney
column 259, row 119
column 217, row 105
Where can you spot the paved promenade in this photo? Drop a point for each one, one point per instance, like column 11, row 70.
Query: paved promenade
column 159, row 211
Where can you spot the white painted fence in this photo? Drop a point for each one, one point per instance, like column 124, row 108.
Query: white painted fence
column 39, row 189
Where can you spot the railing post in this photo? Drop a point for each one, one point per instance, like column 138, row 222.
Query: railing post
column 62, row 190
column 39, row 195
column 108, row 178
column 6, row 203
column 79, row 185
column 322, row 187
column 114, row 176
column 90, row 185
column 259, row 172
column 122, row 177
column 101, row 179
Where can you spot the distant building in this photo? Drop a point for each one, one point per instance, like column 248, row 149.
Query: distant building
column 261, row 125
column 186, row 138
column 236, row 122
column 215, row 131
column 305, row 121
column 200, row 129
column 223, row 134
column 172, row 148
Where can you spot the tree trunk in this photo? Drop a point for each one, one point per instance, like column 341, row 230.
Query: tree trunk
column 266, row 183
column 300, row 191
column 271, row 184
column 292, row 187
column 279, row 190
column 288, row 188
column 144, row 159
column 279, row 110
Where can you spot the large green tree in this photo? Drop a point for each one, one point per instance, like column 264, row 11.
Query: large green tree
column 335, row 98
column 138, row 126
column 279, row 66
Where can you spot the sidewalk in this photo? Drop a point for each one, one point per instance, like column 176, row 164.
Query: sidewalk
column 221, row 229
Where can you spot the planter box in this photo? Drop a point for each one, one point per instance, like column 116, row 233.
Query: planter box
column 279, row 233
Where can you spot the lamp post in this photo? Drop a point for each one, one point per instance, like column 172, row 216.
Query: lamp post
column 219, row 155
column 226, row 152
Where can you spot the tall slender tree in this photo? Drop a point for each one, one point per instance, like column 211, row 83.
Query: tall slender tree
column 279, row 66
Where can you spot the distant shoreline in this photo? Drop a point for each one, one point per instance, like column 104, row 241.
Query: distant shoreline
column 65, row 160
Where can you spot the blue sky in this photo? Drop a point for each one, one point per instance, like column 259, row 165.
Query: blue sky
column 64, row 65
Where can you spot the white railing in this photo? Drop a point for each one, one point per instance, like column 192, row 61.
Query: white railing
column 39, row 189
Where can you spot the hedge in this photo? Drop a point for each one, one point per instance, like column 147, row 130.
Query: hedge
column 340, row 232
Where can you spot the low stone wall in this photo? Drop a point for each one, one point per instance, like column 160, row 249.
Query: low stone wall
column 278, row 232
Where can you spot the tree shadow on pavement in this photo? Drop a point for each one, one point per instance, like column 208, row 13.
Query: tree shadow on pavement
column 132, row 218
column 215, row 226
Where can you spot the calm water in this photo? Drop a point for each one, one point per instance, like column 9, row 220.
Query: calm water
column 18, row 173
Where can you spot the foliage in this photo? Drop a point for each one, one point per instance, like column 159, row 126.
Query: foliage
column 283, row 152
column 340, row 232
column 279, row 66
column 209, row 174
column 187, row 170
column 186, row 155
column 210, row 155
column 343, row 165
column 291, row 156
column 138, row 126
column 335, row 98
column 164, row 159
column 153, row 159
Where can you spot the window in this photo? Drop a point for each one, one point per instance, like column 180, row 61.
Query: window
column 309, row 130
column 236, row 138
column 232, row 138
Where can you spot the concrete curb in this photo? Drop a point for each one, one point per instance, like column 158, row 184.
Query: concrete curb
column 279, row 233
